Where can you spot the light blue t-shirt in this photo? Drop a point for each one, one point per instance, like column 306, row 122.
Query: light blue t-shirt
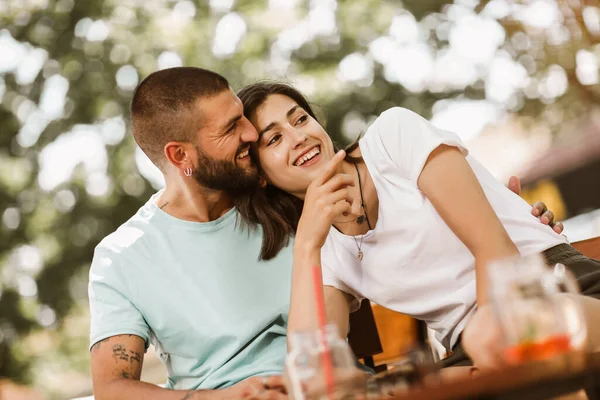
column 197, row 292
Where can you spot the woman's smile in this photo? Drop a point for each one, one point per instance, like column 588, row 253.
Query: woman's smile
column 309, row 157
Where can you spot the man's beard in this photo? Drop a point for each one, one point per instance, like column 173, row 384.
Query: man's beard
column 224, row 175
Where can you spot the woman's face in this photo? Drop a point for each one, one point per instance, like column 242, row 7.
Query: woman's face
column 292, row 146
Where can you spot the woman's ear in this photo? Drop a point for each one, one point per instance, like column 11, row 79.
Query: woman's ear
column 262, row 182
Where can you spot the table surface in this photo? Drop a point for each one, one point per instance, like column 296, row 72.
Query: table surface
column 539, row 380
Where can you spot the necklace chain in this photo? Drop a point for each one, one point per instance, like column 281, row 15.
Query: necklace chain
column 361, row 218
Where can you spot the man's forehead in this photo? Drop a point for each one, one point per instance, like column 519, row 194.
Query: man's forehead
column 219, row 109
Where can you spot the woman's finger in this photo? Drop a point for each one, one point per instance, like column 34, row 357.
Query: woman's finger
column 330, row 168
column 338, row 195
column 336, row 182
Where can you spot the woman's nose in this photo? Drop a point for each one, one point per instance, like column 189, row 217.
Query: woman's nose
column 299, row 138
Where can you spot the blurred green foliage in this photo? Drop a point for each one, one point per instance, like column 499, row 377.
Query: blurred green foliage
column 103, row 48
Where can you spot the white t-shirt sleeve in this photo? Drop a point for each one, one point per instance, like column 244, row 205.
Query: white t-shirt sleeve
column 329, row 279
column 112, row 309
column 409, row 139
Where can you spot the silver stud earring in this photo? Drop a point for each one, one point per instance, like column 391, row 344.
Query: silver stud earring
column 188, row 171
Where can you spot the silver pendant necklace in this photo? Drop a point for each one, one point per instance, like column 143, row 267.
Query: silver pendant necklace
column 361, row 218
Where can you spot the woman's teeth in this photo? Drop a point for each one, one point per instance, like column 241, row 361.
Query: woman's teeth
column 307, row 156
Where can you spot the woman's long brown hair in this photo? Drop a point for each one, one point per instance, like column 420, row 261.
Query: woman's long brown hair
column 275, row 210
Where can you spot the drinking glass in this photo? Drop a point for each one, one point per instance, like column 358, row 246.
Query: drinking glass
column 537, row 308
column 316, row 357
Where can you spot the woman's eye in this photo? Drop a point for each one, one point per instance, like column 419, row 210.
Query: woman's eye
column 301, row 120
column 273, row 139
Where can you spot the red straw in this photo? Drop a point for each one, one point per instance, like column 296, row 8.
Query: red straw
column 320, row 303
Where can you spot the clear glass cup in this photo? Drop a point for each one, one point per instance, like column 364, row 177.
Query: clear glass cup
column 537, row 308
column 315, row 359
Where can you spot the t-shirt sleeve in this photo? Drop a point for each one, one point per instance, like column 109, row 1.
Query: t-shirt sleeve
column 408, row 139
column 112, row 309
column 329, row 279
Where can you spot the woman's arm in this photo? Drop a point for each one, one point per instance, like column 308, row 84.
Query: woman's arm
column 452, row 187
column 326, row 199
column 303, row 315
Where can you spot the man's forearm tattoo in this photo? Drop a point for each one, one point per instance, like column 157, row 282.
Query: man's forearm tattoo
column 122, row 353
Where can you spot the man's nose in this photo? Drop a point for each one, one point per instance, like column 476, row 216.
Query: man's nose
column 249, row 134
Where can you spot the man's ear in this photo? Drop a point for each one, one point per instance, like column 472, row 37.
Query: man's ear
column 180, row 155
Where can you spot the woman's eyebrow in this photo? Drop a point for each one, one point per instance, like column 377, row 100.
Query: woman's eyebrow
column 267, row 128
column 272, row 124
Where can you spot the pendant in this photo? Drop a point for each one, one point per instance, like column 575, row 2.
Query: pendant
column 360, row 255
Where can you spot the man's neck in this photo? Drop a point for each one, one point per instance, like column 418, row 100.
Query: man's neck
column 193, row 202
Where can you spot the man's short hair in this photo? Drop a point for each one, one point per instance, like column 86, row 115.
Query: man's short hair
column 164, row 107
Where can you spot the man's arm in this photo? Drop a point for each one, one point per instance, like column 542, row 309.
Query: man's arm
column 116, row 369
column 117, row 366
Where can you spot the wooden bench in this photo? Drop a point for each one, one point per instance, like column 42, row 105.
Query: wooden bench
column 378, row 335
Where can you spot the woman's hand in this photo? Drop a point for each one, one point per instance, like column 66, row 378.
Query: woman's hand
column 327, row 198
column 482, row 338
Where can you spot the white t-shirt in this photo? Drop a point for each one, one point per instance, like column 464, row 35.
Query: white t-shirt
column 413, row 263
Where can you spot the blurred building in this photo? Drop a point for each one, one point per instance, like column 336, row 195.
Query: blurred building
column 569, row 171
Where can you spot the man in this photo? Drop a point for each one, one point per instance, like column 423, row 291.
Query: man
column 181, row 274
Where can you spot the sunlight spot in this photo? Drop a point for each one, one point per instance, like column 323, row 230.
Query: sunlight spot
column 410, row 66
column 169, row 59
column 505, row 78
column 83, row 26
column 355, row 67
column 30, row 66
column 46, row 316
column 112, row 131
column 477, row 39
column 467, row 118
column 404, row 28
column 97, row 184
column 11, row 50
column 30, row 132
column 11, row 218
column 80, row 146
column 64, row 200
column 591, row 17
column 127, row 77
column 184, row 11
column 221, row 5
column 283, row 5
column 148, row 170
column 539, row 14
column 26, row 286
column 587, row 67
column 382, row 49
column 97, row 32
column 229, row 32
column 54, row 96
column 28, row 259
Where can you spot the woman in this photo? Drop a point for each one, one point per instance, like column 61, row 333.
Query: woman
column 406, row 217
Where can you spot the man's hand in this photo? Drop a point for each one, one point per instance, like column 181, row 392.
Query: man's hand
column 539, row 209
column 482, row 339
column 257, row 388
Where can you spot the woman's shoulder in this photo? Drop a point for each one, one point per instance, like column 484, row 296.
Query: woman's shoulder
column 396, row 119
